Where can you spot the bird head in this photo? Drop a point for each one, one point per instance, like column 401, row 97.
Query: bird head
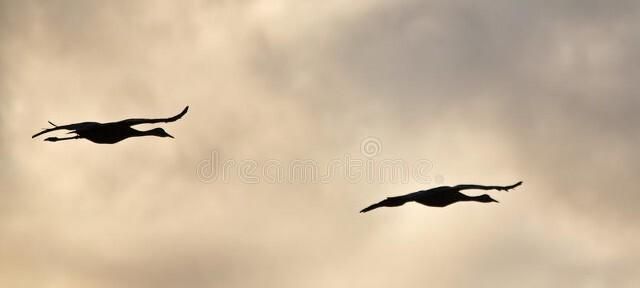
column 486, row 199
column 159, row 132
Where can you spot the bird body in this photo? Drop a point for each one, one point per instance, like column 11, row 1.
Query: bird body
column 112, row 132
column 440, row 196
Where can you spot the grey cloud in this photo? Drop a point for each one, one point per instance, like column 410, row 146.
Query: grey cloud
column 504, row 61
column 494, row 92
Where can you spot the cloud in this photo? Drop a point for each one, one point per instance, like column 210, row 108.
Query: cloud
column 493, row 93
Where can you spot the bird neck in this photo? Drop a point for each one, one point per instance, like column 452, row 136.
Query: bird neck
column 140, row 133
column 471, row 198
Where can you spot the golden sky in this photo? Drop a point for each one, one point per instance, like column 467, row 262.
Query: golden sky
column 485, row 93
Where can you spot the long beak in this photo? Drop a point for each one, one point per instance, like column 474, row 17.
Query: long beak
column 494, row 200
column 169, row 135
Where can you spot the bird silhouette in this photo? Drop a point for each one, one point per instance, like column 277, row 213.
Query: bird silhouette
column 111, row 132
column 441, row 196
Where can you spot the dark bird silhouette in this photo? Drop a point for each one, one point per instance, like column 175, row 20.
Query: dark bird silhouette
column 441, row 196
column 112, row 132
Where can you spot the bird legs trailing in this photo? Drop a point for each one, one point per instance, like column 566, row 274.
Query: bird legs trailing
column 389, row 202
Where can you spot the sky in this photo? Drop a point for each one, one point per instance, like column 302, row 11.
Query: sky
column 452, row 92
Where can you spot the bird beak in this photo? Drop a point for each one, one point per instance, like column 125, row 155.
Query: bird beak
column 494, row 200
column 169, row 135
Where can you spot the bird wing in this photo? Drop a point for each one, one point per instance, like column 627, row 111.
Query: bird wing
column 137, row 121
column 75, row 127
column 482, row 187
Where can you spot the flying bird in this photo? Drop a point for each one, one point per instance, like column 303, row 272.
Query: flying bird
column 111, row 132
column 441, row 196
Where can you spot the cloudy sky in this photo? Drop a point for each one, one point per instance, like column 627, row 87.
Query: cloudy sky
column 490, row 93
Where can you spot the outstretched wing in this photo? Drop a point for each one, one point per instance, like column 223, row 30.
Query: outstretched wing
column 482, row 187
column 74, row 127
column 137, row 121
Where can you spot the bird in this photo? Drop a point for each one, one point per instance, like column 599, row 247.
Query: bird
column 111, row 132
column 441, row 196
